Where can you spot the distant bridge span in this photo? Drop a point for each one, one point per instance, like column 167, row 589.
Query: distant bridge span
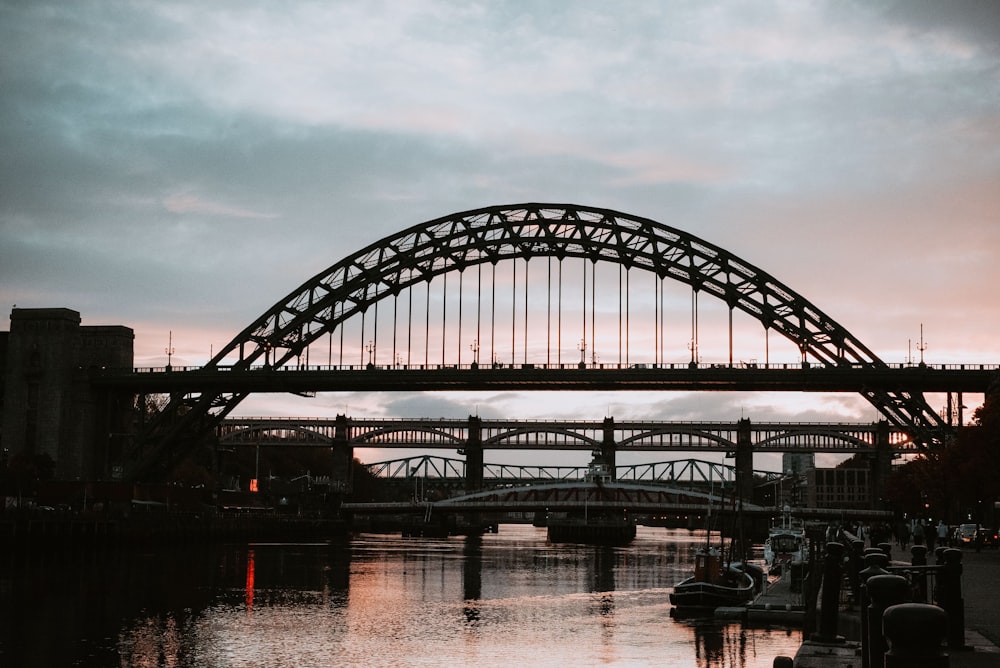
column 627, row 436
column 581, row 496
column 349, row 293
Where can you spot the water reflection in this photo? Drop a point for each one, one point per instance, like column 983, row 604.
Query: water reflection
column 507, row 598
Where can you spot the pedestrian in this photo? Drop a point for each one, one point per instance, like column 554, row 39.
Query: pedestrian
column 918, row 533
column 942, row 533
column 902, row 535
column 930, row 535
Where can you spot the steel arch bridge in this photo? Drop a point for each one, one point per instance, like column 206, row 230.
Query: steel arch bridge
column 488, row 236
column 688, row 472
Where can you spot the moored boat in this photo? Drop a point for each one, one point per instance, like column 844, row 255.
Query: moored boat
column 714, row 584
column 786, row 544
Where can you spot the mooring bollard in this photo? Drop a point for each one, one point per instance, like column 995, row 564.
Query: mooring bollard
column 875, row 563
column 783, row 662
column 914, row 632
column 950, row 597
column 884, row 591
column 887, row 548
column 856, row 562
column 918, row 557
column 830, row 595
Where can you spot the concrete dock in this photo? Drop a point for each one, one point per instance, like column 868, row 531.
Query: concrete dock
column 779, row 603
column 981, row 595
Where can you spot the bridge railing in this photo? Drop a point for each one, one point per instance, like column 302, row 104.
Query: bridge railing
column 562, row 366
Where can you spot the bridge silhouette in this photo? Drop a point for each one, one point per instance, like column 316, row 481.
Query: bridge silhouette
column 627, row 436
column 521, row 311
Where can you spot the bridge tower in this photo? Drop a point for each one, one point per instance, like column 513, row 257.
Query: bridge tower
column 881, row 465
column 48, row 408
column 744, row 460
column 473, row 452
column 609, row 447
column 341, row 469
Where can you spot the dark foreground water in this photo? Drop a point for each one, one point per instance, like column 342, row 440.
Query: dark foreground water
column 507, row 599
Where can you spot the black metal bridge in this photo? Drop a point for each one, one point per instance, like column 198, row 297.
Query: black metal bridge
column 752, row 377
column 627, row 436
column 537, row 296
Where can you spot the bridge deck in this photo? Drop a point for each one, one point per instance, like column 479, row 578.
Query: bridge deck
column 298, row 379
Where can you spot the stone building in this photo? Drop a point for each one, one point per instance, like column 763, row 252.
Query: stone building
column 47, row 406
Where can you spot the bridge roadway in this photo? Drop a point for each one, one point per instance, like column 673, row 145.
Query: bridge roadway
column 916, row 378
column 609, row 497
column 627, row 436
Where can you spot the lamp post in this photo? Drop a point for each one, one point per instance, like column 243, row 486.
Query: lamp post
column 923, row 346
column 474, row 347
column 169, row 350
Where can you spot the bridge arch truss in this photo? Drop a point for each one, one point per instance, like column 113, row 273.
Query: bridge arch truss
column 485, row 237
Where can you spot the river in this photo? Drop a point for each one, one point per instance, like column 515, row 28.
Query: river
column 504, row 599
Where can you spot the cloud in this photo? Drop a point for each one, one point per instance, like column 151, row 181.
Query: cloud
column 187, row 203
column 183, row 165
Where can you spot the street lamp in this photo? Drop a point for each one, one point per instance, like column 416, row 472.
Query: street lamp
column 169, row 350
column 923, row 346
column 693, row 347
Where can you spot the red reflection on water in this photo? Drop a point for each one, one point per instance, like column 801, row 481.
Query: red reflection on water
column 249, row 585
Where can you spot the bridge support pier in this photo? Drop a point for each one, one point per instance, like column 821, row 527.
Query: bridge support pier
column 881, row 465
column 609, row 448
column 341, row 469
column 744, row 461
column 473, row 452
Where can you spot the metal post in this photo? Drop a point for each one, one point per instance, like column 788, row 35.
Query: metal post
column 830, row 596
column 914, row 632
column 885, row 591
column 918, row 557
column 950, row 597
column 875, row 563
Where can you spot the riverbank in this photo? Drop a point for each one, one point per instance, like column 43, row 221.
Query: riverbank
column 54, row 528
column 980, row 587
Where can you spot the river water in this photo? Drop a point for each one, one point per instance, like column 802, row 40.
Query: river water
column 504, row 599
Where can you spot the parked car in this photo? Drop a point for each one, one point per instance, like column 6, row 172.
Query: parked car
column 989, row 538
column 966, row 534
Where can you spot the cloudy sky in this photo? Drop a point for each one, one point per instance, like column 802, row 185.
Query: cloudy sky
column 181, row 166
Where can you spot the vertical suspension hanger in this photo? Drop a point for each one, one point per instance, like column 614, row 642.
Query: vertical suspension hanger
column 513, row 313
column 461, row 286
column 444, row 316
column 593, row 312
column 526, row 258
column 559, row 317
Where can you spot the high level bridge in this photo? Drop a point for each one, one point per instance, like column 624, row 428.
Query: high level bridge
column 604, row 439
column 536, row 296
column 628, row 436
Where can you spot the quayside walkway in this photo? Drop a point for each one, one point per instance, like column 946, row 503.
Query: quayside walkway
column 981, row 604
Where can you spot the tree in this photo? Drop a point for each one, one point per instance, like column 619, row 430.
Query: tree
column 957, row 482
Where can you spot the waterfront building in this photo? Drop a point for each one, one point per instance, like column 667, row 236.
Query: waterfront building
column 47, row 407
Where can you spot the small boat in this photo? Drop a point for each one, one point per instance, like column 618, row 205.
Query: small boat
column 714, row 584
column 786, row 543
